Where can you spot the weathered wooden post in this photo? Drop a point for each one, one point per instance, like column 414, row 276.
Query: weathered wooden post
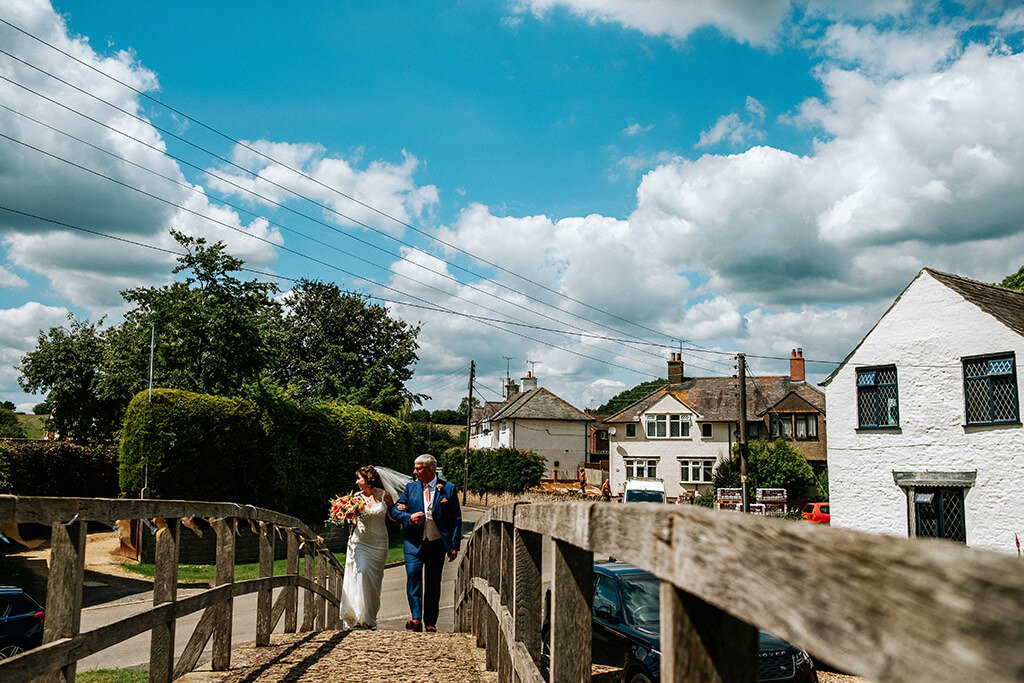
column 264, row 599
column 572, row 593
column 526, row 611
column 308, row 606
column 492, row 568
column 64, row 589
column 479, row 544
column 225, row 574
column 506, row 575
column 334, row 585
column 321, row 580
column 165, row 589
column 291, row 593
column 702, row 643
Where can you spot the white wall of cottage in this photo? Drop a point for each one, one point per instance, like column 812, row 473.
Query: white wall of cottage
column 667, row 451
column 925, row 335
column 561, row 441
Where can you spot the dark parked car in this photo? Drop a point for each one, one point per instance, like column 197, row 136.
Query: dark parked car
column 626, row 620
column 21, row 622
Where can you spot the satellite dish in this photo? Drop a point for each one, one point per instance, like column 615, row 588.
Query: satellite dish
column 611, row 430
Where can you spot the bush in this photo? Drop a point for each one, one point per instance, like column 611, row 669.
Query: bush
column 273, row 453
column 771, row 464
column 58, row 468
column 10, row 427
column 501, row 469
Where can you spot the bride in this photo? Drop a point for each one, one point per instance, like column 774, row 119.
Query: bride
column 367, row 553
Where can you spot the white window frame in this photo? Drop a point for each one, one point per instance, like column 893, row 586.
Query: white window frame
column 702, row 466
column 641, row 468
column 666, row 423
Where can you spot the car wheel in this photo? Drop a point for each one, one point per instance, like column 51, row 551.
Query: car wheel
column 10, row 650
column 639, row 677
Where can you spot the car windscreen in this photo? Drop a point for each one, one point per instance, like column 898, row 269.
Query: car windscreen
column 637, row 496
column 641, row 601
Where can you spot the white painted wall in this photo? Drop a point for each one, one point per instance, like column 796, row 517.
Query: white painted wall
column 667, row 451
column 558, row 441
column 931, row 325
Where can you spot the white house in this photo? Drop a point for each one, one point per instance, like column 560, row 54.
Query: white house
column 926, row 438
column 680, row 431
column 534, row 420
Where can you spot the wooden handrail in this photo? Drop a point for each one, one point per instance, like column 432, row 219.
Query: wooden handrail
column 882, row 607
column 64, row 646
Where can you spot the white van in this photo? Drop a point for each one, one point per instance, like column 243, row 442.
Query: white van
column 643, row 490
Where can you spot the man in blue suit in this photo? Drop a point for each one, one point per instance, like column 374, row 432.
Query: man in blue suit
column 429, row 510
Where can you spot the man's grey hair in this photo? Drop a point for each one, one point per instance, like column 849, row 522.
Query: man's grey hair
column 427, row 459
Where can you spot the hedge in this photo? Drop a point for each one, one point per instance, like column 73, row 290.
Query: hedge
column 274, row 454
column 58, row 468
column 501, row 469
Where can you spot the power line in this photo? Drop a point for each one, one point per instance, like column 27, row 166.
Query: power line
column 310, row 178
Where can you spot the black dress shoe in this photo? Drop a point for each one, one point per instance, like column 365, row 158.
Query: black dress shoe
column 414, row 625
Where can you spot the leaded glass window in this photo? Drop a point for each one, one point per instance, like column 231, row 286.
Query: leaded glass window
column 939, row 513
column 990, row 389
column 877, row 397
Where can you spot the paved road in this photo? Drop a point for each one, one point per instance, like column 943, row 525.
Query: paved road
column 134, row 652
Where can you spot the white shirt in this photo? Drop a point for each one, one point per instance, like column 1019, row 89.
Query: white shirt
column 430, row 530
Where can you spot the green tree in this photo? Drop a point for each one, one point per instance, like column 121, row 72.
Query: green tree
column 629, row 396
column 462, row 414
column 67, row 365
column 10, row 427
column 444, row 416
column 214, row 332
column 1014, row 281
column 337, row 346
column 43, row 408
column 8, row 405
column 770, row 464
column 433, row 438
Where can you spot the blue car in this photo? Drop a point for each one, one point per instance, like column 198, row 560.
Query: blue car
column 626, row 622
column 21, row 622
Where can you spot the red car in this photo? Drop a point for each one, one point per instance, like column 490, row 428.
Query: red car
column 817, row 513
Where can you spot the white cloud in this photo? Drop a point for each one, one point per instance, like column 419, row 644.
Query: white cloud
column 387, row 187
column 635, row 129
column 735, row 128
column 19, row 328
column 890, row 52
column 9, row 279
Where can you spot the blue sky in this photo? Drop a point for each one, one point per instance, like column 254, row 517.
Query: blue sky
column 748, row 176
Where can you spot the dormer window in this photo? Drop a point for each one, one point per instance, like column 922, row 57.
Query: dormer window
column 668, row 426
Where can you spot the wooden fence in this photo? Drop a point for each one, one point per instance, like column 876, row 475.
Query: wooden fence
column 889, row 609
column 63, row 644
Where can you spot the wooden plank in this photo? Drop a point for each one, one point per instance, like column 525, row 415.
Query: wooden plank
column 568, row 522
column 280, row 604
column 264, row 598
column 321, row 580
column 702, row 643
column 523, row 666
column 308, row 609
column 492, row 550
column 572, row 593
column 526, row 608
column 291, row 604
column 197, row 642
column 225, row 574
column 333, row 613
column 165, row 589
column 505, row 576
column 64, row 589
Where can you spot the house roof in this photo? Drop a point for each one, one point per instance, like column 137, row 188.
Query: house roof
column 1005, row 305
column 535, row 404
column 716, row 399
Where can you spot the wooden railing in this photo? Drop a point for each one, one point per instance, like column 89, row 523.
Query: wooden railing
column 63, row 644
column 889, row 609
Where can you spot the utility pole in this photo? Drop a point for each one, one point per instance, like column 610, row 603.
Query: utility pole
column 152, row 345
column 469, row 425
column 742, row 374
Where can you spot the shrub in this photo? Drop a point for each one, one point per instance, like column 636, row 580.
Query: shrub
column 272, row 452
column 59, row 468
column 10, row 427
column 501, row 469
column 771, row 464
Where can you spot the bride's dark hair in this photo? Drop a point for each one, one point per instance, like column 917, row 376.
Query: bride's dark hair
column 370, row 476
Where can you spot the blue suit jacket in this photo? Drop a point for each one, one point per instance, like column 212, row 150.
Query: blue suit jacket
column 447, row 513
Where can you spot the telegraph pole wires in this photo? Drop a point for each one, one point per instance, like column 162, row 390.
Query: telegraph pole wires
column 741, row 359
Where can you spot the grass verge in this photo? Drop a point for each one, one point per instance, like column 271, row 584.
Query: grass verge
column 113, row 676
column 204, row 573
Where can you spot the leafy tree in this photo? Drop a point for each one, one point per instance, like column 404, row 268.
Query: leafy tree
column 10, row 427
column 770, row 464
column 447, row 417
column 67, row 365
column 463, row 411
column 1014, row 281
column 433, row 438
column 215, row 331
column 337, row 346
column 629, row 396
column 420, row 415
column 8, row 405
column 43, row 408
column 822, row 482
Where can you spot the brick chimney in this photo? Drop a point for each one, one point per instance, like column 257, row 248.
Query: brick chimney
column 675, row 369
column 511, row 389
column 796, row 365
column 529, row 382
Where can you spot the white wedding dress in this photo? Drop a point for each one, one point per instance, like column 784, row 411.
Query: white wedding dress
column 364, row 567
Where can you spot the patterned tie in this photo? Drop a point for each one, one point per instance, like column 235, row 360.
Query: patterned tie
column 426, row 498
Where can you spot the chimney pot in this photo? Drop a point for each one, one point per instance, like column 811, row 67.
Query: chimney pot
column 796, row 365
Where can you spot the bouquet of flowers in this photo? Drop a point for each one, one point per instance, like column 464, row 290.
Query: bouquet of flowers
column 346, row 509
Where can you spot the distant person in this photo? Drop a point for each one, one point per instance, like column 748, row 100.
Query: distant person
column 582, row 476
column 606, row 490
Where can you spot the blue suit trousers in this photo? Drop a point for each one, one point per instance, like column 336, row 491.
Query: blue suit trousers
column 423, row 567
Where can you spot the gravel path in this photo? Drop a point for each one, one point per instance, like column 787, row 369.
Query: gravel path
column 357, row 657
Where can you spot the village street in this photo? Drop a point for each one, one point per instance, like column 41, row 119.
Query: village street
column 134, row 652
